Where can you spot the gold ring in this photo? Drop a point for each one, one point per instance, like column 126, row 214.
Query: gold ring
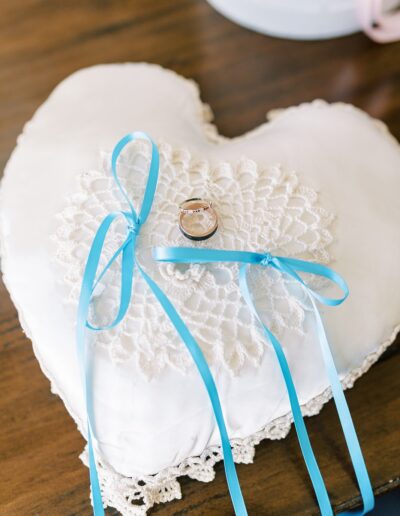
column 197, row 219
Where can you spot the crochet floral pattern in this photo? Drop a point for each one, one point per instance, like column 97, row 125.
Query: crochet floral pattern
column 259, row 208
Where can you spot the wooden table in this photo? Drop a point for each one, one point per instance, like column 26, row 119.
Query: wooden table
column 242, row 75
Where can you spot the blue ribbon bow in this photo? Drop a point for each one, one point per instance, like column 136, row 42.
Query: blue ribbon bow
column 91, row 278
column 291, row 267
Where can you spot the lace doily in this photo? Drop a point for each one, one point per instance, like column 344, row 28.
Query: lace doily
column 259, row 209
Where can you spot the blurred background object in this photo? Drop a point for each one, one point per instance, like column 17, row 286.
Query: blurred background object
column 315, row 19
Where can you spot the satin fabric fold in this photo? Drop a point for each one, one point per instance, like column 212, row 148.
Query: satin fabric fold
column 292, row 267
column 91, row 277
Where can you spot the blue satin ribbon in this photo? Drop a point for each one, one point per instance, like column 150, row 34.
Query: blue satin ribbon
column 91, row 277
column 291, row 267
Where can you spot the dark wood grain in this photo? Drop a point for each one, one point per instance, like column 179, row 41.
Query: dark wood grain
column 242, row 75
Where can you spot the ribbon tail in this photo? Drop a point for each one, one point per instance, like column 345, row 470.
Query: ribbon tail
column 205, row 373
column 86, row 372
column 346, row 421
column 98, row 508
column 290, row 266
column 301, row 430
column 88, row 284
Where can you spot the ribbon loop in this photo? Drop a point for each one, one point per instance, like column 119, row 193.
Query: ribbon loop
column 291, row 267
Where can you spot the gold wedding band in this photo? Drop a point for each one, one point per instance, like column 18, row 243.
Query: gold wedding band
column 193, row 229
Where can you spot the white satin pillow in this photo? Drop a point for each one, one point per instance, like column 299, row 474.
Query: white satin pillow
column 317, row 181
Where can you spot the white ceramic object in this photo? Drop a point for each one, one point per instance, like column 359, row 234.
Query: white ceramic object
column 293, row 19
column 153, row 419
column 296, row 19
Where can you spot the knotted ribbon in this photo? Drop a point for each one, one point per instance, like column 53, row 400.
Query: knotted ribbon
column 292, row 267
column 91, row 277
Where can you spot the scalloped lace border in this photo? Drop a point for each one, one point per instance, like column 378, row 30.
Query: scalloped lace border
column 134, row 496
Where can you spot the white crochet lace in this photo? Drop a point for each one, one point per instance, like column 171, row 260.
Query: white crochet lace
column 259, row 209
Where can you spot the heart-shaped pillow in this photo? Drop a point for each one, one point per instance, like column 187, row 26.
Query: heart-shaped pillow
column 318, row 182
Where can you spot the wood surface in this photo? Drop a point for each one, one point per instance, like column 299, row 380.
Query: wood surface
column 242, row 75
